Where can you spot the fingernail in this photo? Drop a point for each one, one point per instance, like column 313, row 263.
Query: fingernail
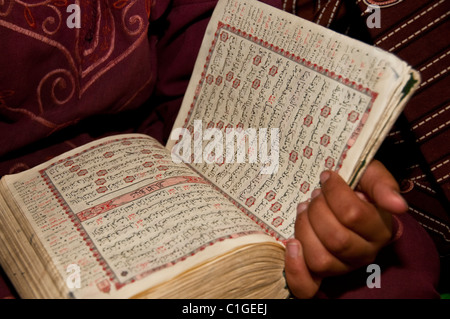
column 315, row 193
column 362, row 196
column 301, row 207
column 292, row 249
column 401, row 198
column 324, row 176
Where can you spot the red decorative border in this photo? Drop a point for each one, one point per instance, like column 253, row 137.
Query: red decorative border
column 291, row 56
column 78, row 218
column 324, row 71
column 141, row 192
column 266, row 229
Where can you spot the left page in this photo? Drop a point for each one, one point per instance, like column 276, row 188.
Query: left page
column 126, row 215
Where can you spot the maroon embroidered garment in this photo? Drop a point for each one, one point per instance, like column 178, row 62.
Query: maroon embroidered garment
column 127, row 68
column 417, row 151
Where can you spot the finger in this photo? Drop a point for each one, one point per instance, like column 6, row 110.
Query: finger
column 300, row 281
column 381, row 187
column 318, row 259
column 354, row 213
column 339, row 240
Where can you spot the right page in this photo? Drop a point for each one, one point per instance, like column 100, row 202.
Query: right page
column 274, row 100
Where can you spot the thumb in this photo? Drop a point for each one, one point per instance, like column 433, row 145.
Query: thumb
column 382, row 188
column 300, row 281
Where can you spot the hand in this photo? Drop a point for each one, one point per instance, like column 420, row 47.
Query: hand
column 340, row 230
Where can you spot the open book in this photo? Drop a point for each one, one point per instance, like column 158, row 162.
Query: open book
column 273, row 101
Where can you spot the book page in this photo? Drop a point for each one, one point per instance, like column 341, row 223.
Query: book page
column 126, row 215
column 274, row 100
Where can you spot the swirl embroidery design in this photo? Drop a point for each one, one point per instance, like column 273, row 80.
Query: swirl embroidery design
column 88, row 52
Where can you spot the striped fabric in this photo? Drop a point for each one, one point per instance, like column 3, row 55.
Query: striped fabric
column 417, row 151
